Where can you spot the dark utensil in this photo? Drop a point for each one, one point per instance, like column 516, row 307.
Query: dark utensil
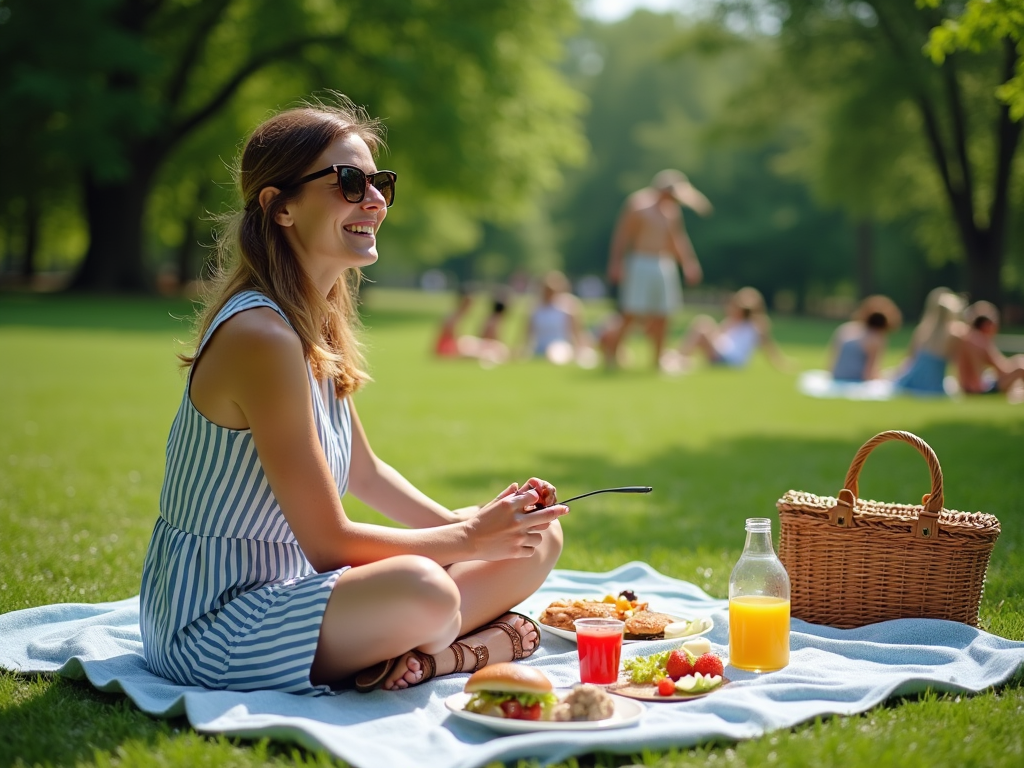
column 623, row 489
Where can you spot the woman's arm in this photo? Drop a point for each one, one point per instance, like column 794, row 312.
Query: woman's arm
column 683, row 247
column 874, row 348
column 771, row 349
column 264, row 373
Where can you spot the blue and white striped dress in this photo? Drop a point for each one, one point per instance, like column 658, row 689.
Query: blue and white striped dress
column 228, row 599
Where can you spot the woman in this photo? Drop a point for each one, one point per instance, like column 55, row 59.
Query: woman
column 745, row 329
column 554, row 329
column 255, row 578
column 935, row 342
column 858, row 346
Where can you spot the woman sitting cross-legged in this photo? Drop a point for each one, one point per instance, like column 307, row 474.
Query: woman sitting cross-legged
column 255, row 577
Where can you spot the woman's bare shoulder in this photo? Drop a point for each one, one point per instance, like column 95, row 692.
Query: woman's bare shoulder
column 257, row 338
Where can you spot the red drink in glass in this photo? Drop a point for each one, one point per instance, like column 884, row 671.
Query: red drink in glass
column 599, row 642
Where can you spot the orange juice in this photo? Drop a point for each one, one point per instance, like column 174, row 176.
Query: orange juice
column 758, row 633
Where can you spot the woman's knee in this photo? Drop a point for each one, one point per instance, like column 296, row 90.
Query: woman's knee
column 421, row 583
column 551, row 544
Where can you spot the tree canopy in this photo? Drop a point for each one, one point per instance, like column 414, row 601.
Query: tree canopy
column 127, row 95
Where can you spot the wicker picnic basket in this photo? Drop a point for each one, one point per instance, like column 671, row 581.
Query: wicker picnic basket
column 853, row 562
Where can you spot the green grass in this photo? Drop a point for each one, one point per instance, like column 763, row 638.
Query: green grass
column 88, row 388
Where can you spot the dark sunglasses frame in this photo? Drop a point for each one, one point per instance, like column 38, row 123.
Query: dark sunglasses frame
column 383, row 182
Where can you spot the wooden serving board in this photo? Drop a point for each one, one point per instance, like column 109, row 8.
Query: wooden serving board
column 649, row 691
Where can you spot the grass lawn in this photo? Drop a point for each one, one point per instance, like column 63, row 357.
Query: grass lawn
column 88, row 388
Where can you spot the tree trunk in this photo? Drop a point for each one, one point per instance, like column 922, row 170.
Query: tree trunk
column 114, row 214
column 865, row 252
column 31, row 247
column 984, row 267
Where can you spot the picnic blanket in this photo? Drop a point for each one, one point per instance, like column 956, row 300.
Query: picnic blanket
column 820, row 384
column 831, row 672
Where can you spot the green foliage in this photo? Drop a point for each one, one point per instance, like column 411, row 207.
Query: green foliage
column 983, row 25
column 84, row 422
column 127, row 92
column 673, row 92
column 880, row 131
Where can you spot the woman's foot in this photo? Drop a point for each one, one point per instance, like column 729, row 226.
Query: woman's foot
column 491, row 639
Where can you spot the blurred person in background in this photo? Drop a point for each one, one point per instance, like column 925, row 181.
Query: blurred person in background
column 981, row 368
column 745, row 329
column 447, row 344
column 935, row 342
column 555, row 328
column 648, row 246
column 858, row 346
column 488, row 347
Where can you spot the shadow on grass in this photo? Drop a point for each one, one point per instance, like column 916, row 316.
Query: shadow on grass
column 115, row 313
column 702, row 496
column 147, row 314
column 69, row 721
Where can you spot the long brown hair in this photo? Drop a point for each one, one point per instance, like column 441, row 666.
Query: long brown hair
column 252, row 252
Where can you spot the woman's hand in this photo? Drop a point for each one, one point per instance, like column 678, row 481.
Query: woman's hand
column 464, row 513
column 507, row 527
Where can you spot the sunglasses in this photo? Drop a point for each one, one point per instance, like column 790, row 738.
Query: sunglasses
column 352, row 182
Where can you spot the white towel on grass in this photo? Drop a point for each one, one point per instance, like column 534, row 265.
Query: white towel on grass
column 831, row 671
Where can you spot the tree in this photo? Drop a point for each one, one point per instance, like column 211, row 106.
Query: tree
column 886, row 133
column 660, row 88
column 126, row 84
column 984, row 25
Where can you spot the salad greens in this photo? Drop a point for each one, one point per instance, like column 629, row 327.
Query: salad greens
column 484, row 700
column 647, row 669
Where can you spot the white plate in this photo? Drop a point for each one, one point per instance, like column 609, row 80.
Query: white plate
column 627, row 712
column 568, row 634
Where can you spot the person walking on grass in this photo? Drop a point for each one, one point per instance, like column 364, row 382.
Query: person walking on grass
column 647, row 248
column 255, row 577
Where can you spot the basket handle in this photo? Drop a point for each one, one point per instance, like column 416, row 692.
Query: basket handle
column 927, row 522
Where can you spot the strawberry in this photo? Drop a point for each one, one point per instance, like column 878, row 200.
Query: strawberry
column 708, row 664
column 679, row 664
column 666, row 687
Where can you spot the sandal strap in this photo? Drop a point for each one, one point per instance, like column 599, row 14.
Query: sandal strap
column 481, row 653
column 513, row 635
column 460, row 657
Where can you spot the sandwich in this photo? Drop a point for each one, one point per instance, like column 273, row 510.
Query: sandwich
column 512, row 691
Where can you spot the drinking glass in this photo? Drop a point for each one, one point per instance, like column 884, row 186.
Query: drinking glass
column 599, row 642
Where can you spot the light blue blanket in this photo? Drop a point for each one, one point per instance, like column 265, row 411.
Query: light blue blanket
column 831, row 671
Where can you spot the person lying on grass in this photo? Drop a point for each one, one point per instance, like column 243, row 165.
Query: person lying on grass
column 255, row 578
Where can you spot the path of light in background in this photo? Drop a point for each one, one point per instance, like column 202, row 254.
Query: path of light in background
column 765, row 21
column 613, row 10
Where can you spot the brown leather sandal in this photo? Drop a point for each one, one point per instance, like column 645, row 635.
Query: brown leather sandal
column 513, row 635
column 480, row 651
column 372, row 678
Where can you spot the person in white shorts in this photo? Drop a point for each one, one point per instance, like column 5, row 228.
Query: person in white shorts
column 649, row 241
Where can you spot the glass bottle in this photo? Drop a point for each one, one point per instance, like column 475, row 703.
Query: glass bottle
column 759, row 603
